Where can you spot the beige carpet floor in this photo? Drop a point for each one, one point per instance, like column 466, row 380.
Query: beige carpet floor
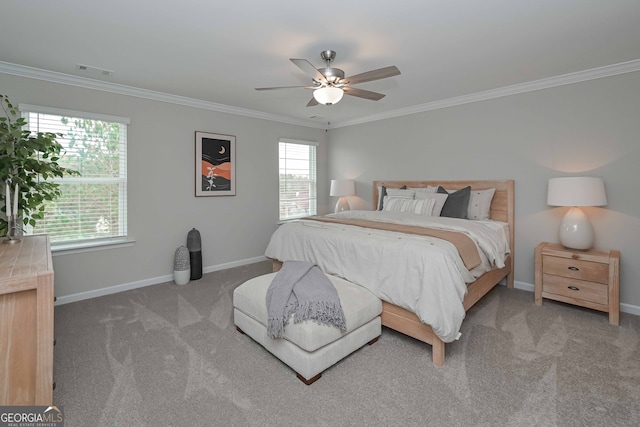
column 169, row 355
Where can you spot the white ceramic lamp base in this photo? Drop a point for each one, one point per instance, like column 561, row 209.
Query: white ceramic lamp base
column 342, row 205
column 576, row 231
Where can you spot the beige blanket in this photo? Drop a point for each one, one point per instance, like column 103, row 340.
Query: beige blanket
column 463, row 243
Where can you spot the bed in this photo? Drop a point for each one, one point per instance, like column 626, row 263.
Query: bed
column 398, row 314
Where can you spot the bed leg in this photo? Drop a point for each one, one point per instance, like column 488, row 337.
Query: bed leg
column 511, row 276
column 437, row 347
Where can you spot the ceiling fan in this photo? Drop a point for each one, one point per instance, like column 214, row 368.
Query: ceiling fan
column 329, row 84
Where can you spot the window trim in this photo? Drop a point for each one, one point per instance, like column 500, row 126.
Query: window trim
column 72, row 113
column 299, row 142
column 69, row 248
column 88, row 245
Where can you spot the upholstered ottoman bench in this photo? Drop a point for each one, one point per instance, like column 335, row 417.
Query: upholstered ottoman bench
column 309, row 348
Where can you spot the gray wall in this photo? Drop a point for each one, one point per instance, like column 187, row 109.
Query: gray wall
column 162, row 206
column 589, row 128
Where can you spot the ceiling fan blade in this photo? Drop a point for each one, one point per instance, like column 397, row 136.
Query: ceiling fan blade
column 285, row 87
column 312, row 102
column 361, row 93
column 308, row 68
column 381, row 73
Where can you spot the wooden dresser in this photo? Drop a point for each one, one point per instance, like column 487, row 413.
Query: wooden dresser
column 26, row 322
column 589, row 278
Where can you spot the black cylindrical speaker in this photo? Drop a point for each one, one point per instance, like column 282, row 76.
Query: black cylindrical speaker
column 195, row 253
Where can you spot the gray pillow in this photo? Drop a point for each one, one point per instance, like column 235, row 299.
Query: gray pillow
column 457, row 203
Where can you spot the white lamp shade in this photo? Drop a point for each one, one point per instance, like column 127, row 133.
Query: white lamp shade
column 576, row 191
column 342, row 187
column 328, row 95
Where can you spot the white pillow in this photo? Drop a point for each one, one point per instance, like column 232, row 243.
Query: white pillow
column 480, row 204
column 427, row 189
column 396, row 192
column 418, row 207
column 439, row 200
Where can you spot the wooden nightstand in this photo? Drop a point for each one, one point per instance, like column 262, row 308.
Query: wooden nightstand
column 588, row 278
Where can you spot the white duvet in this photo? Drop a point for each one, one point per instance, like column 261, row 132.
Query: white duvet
column 422, row 274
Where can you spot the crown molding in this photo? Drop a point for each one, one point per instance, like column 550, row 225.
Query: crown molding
column 86, row 83
column 83, row 82
column 564, row 79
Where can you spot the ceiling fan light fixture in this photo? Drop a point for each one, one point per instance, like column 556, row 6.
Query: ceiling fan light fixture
column 329, row 83
column 328, row 95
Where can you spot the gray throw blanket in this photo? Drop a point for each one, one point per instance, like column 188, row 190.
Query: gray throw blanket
column 302, row 289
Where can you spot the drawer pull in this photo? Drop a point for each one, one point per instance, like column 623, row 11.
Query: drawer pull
column 573, row 288
column 573, row 268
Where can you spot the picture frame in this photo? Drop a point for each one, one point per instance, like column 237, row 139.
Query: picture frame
column 215, row 164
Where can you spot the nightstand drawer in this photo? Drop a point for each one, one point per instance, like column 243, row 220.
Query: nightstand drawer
column 578, row 289
column 576, row 269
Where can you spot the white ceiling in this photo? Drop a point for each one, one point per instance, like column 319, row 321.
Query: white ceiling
column 219, row 51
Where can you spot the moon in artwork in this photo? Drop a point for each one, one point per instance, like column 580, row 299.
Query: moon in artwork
column 221, row 150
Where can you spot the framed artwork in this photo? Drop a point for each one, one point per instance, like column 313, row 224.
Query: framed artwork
column 215, row 164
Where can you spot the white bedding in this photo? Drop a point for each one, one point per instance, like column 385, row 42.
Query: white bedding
column 422, row 274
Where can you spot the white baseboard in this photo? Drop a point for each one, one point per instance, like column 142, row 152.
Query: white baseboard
column 631, row 309
column 624, row 308
column 523, row 285
column 148, row 282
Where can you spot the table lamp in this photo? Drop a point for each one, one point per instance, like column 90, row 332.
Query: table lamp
column 342, row 188
column 576, row 231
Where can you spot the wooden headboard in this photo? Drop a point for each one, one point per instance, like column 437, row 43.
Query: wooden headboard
column 502, row 205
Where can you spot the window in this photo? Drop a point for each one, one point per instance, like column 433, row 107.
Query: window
column 297, row 179
column 93, row 206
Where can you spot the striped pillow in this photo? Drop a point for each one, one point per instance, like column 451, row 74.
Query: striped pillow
column 440, row 200
column 418, row 207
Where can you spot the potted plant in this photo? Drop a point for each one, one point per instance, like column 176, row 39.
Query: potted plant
column 27, row 161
